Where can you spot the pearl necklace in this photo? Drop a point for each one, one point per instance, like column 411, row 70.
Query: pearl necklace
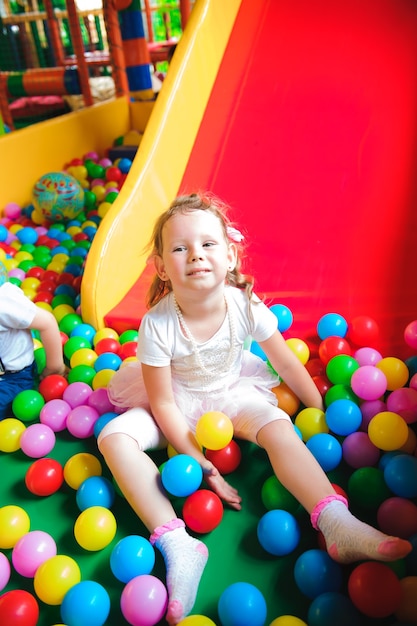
column 196, row 350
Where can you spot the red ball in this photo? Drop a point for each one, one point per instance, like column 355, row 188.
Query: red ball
column 44, row 477
column 108, row 344
column 315, row 367
column 363, row 331
column 202, row 511
column 226, row 459
column 128, row 349
column 398, row 516
column 19, row 607
column 44, row 296
column 323, row 384
column 375, row 589
column 52, row 387
column 333, row 346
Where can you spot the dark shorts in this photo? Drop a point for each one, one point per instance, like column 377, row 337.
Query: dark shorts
column 12, row 384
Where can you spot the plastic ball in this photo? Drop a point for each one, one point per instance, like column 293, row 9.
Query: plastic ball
column 311, row 421
column 374, row 589
column 58, row 196
column 299, row 348
column 132, row 556
column 367, row 356
column 202, row 511
column 398, row 517
column 214, row 430
column 55, row 577
column 95, row 491
column 196, row 620
column 52, row 387
column 410, row 334
column 367, row 487
column 44, row 477
column 81, row 420
column 54, row 414
column 404, row 402
column 100, row 401
column 388, row 431
column 27, row 405
column 37, row 440
column 400, row 474
column 11, row 430
column 278, row 532
column 181, row 475
column 359, row 451
column 14, row 523
column 77, row 394
column 31, row 551
column 79, row 467
column 19, row 607
column 343, row 417
column 287, row 400
column 86, row 604
column 326, row 449
column 333, row 607
column 227, row 459
column 144, row 601
column 363, row 331
column 284, row 316
column 288, row 620
column 407, row 610
column 315, row 572
column 368, row 382
column 5, row 571
column 333, row 346
column 95, row 528
column 107, row 360
column 339, row 392
column 102, row 379
column 102, row 421
column 395, row 370
column 275, row 496
column 242, row 603
column 340, row 368
column 332, row 324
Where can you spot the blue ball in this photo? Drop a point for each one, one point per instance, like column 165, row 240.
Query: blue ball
column 27, row 235
column 132, row 556
column 332, row 608
column 242, row 604
column 332, row 325
column 181, row 475
column 84, row 330
column 326, row 449
column 104, row 419
column 284, row 316
column 86, row 604
column 278, row 532
column 107, row 361
column 95, row 491
column 255, row 348
column 400, row 474
column 315, row 573
column 343, row 417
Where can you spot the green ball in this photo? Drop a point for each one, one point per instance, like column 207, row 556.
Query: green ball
column 339, row 392
column 40, row 358
column 73, row 344
column 275, row 496
column 340, row 368
column 69, row 322
column 27, row 405
column 128, row 335
column 82, row 374
column 367, row 488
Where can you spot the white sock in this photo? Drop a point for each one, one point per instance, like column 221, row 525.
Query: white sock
column 349, row 540
column 185, row 559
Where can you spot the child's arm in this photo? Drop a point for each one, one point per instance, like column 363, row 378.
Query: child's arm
column 291, row 370
column 50, row 337
column 175, row 428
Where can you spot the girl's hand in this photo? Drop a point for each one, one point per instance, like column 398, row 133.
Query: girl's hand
column 223, row 489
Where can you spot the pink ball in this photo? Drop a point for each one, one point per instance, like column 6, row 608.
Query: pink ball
column 77, row 393
column 32, row 550
column 4, row 570
column 37, row 440
column 370, row 408
column 12, row 210
column 54, row 414
column 368, row 382
column 404, row 402
column 359, row 451
column 367, row 356
column 16, row 272
column 100, row 401
column 410, row 334
column 413, row 382
column 81, row 420
column 398, row 516
column 144, row 600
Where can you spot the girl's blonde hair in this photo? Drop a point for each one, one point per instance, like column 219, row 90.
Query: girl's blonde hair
column 184, row 204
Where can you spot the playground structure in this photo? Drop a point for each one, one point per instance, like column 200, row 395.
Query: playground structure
column 78, row 45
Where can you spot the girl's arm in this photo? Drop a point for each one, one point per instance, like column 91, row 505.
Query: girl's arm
column 176, row 430
column 291, row 370
column 50, row 336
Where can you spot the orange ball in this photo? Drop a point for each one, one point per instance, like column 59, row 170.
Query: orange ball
column 287, row 400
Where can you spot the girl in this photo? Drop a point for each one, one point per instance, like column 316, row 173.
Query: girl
column 191, row 360
column 18, row 317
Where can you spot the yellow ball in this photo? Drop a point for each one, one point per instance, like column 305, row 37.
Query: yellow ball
column 95, row 528
column 102, row 378
column 300, row 349
column 11, row 429
column 14, row 523
column 83, row 356
column 288, row 620
column 61, row 310
column 311, row 422
column 55, row 577
column 388, row 431
column 105, row 333
column 395, row 370
column 196, row 620
column 214, row 430
column 79, row 467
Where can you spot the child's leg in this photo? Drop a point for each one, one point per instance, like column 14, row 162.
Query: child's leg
column 139, row 480
column 347, row 539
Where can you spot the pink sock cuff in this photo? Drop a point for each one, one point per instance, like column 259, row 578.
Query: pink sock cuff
column 165, row 528
column 317, row 510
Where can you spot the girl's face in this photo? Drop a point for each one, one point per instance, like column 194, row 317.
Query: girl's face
column 195, row 254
